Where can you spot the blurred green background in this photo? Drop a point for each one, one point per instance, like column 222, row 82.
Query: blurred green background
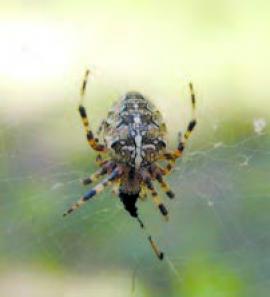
column 217, row 239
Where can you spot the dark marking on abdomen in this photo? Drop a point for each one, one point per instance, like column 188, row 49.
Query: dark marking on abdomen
column 129, row 201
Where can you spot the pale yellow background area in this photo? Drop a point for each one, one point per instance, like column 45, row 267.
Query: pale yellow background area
column 153, row 46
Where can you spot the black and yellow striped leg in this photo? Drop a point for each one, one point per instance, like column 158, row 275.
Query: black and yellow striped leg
column 94, row 177
column 155, row 248
column 99, row 159
column 156, row 199
column 115, row 188
column 97, row 189
column 182, row 143
column 143, row 193
column 190, row 127
column 171, row 157
column 164, row 186
column 170, row 163
column 93, row 142
column 101, row 127
column 153, row 244
column 157, row 172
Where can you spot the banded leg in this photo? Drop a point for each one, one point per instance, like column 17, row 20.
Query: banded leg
column 101, row 127
column 143, row 193
column 155, row 248
column 106, row 167
column 170, row 163
column 115, row 189
column 100, row 161
column 163, row 210
column 97, row 189
column 157, row 173
column 153, row 244
column 94, row 177
column 164, row 186
column 93, row 142
column 171, row 157
column 182, row 142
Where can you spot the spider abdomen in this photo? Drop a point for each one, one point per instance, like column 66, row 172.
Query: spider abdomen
column 135, row 131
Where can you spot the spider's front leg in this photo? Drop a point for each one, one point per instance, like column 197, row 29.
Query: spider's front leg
column 171, row 157
column 93, row 142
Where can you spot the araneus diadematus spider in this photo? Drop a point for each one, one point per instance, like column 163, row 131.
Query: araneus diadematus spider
column 134, row 139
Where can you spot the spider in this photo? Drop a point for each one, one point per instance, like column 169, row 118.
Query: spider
column 134, row 141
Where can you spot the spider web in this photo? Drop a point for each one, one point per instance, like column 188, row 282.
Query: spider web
column 217, row 237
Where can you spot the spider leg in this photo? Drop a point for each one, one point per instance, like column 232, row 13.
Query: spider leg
column 157, row 172
column 164, row 186
column 171, row 157
column 93, row 142
column 101, row 127
column 95, row 176
column 156, row 199
column 96, row 190
column 99, row 159
column 154, row 246
column 115, row 189
column 143, row 193
column 106, row 167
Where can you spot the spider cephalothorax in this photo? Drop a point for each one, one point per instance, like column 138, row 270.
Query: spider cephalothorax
column 134, row 141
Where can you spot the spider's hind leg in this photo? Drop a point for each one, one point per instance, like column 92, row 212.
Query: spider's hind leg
column 94, row 191
column 157, row 173
column 156, row 199
column 165, row 186
column 105, row 167
column 94, row 177
column 129, row 202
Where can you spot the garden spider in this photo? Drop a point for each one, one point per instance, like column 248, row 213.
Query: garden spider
column 134, row 141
